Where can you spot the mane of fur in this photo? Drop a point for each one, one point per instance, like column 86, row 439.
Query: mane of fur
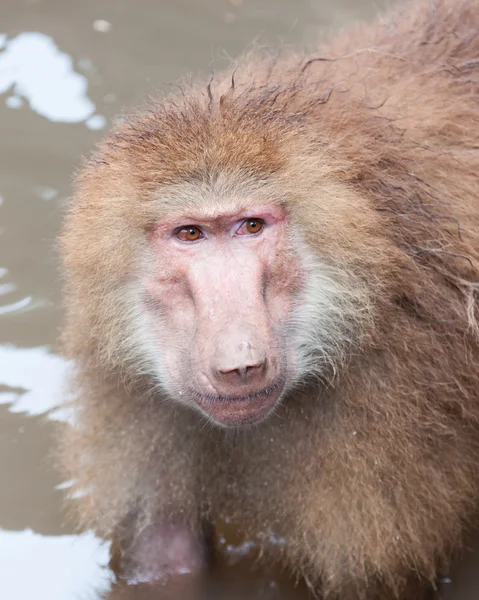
column 373, row 144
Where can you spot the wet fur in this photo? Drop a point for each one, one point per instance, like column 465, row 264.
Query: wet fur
column 370, row 469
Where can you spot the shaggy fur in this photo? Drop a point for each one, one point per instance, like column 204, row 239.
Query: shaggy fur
column 370, row 470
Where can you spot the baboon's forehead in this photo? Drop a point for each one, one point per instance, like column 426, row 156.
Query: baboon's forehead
column 226, row 195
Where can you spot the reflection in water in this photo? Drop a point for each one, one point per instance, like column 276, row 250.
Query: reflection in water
column 187, row 588
column 8, row 288
column 38, row 71
column 65, row 567
column 35, row 378
column 16, row 306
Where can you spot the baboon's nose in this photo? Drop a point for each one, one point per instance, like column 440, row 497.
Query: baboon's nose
column 239, row 364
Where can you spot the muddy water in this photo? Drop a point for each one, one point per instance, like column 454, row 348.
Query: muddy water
column 65, row 68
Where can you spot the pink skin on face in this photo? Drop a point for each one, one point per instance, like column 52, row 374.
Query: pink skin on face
column 222, row 289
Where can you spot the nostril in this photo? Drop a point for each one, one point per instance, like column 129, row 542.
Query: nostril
column 245, row 370
column 250, row 368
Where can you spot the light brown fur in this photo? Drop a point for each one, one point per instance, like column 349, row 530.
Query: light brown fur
column 373, row 144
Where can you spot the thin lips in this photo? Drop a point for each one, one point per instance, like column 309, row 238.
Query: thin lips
column 210, row 398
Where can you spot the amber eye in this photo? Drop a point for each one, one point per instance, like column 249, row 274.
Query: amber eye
column 189, row 234
column 251, row 226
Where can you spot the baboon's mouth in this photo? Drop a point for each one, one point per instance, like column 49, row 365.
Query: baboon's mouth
column 234, row 411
